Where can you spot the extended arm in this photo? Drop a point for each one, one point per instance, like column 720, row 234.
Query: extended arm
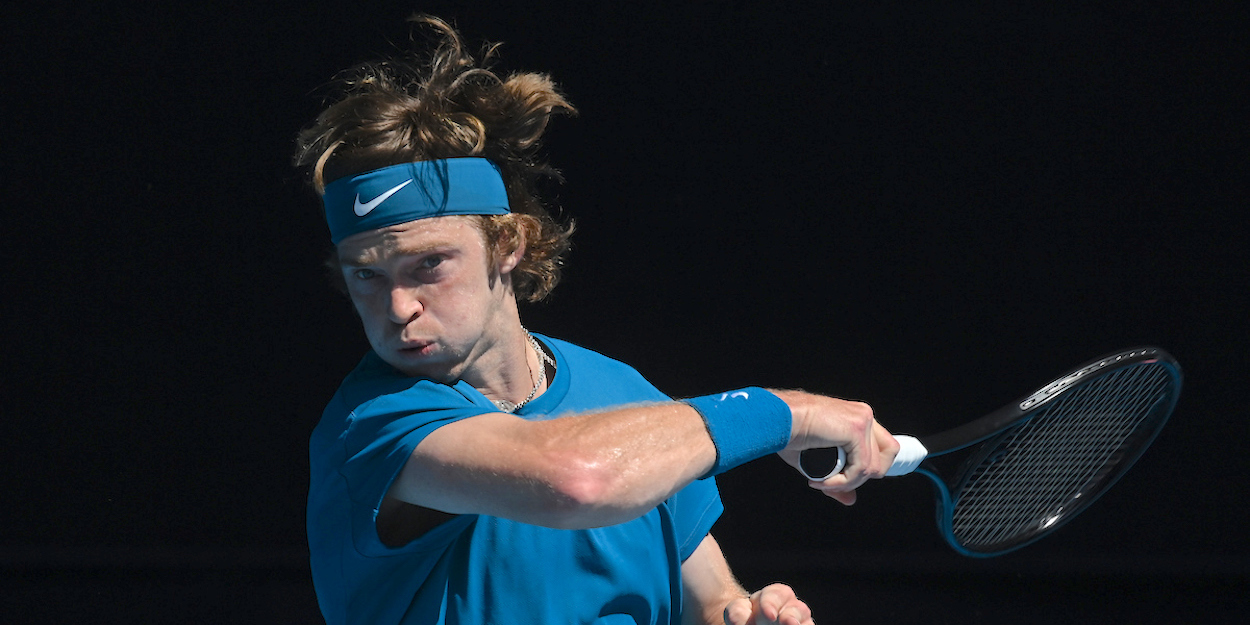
column 603, row 468
column 572, row 472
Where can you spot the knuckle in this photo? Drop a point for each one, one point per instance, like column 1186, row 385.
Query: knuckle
column 860, row 413
column 892, row 445
column 861, row 408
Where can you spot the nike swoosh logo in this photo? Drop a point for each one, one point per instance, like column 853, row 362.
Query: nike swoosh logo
column 367, row 207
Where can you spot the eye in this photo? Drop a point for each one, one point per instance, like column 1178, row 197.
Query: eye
column 432, row 261
column 364, row 274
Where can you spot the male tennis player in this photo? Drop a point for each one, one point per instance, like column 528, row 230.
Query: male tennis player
column 468, row 471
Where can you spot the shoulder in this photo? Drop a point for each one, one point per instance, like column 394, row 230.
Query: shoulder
column 378, row 410
column 589, row 361
column 588, row 380
column 371, row 378
column 376, row 391
column 578, row 354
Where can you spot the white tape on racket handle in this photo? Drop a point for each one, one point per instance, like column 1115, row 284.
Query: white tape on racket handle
column 910, row 454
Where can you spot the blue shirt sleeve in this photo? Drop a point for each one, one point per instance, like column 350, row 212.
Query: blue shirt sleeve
column 695, row 509
column 383, row 433
column 380, row 436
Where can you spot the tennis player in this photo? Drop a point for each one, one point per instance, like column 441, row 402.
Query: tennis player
column 470, row 471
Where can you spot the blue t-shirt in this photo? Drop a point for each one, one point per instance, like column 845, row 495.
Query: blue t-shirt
column 475, row 568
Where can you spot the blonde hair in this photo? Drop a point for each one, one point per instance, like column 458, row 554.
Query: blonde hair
column 445, row 105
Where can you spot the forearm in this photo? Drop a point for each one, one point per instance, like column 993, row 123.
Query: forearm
column 708, row 585
column 572, row 472
column 711, row 595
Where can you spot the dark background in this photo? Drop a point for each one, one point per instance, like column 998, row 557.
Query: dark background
column 932, row 208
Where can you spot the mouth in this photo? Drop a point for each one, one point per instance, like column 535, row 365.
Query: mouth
column 415, row 348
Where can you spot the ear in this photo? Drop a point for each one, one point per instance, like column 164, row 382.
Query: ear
column 508, row 262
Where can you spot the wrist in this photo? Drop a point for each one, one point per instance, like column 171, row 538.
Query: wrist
column 799, row 403
column 744, row 425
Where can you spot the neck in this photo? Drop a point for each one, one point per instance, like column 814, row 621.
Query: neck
column 520, row 373
column 503, row 366
column 538, row 362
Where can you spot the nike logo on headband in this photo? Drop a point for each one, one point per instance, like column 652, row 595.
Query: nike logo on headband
column 367, row 207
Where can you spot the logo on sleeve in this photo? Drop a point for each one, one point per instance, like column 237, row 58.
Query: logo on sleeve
column 362, row 209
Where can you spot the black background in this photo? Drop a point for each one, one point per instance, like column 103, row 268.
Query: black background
column 931, row 208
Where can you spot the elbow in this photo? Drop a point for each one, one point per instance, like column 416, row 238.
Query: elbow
column 586, row 494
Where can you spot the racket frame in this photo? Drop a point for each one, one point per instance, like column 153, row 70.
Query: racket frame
column 986, row 427
column 1019, row 412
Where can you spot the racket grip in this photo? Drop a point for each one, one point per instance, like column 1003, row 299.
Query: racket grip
column 821, row 464
column 910, row 454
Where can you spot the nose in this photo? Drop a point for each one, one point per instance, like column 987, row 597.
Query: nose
column 405, row 305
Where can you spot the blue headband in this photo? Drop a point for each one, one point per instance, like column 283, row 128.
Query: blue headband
column 411, row 191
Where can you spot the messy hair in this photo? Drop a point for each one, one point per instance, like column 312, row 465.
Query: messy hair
column 449, row 104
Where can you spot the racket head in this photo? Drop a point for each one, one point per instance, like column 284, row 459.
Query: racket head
column 1060, row 449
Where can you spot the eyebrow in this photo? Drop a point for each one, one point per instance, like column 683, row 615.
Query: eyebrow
column 370, row 255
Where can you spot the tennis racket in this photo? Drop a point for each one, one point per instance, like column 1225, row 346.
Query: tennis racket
column 1035, row 464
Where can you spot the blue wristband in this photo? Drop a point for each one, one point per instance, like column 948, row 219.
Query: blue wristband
column 744, row 425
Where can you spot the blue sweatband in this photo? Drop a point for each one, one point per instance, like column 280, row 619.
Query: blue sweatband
column 411, row 191
column 744, row 425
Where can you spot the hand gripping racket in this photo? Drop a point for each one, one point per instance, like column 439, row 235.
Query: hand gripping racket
column 1035, row 464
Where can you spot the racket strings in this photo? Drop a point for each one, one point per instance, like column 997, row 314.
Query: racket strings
column 1032, row 487
column 1038, row 473
column 1096, row 448
column 1021, row 490
column 1054, row 464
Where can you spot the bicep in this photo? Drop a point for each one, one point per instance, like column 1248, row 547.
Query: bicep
column 436, row 481
column 479, row 465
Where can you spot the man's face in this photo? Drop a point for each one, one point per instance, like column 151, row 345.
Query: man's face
column 431, row 297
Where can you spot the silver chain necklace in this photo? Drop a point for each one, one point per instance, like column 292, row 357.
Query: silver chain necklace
column 543, row 361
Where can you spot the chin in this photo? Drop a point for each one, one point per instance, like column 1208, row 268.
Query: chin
column 415, row 365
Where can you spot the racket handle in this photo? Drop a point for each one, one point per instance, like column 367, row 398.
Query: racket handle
column 911, row 453
column 821, row 464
